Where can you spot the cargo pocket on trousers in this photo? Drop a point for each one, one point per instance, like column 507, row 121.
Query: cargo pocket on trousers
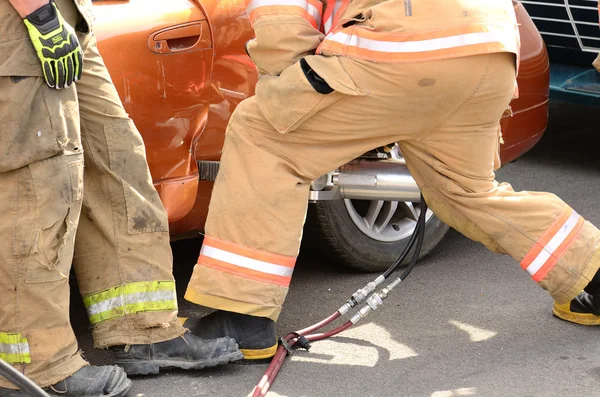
column 58, row 186
column 35, row 122
column 127, row 156
column 288, row 100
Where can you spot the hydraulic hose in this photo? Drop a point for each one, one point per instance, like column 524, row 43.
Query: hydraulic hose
column 302, row 337
column 21, row 381
column 409, row 246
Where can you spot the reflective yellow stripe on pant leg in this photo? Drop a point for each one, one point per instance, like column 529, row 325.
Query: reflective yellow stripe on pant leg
column 14, row 348
column 132, row 298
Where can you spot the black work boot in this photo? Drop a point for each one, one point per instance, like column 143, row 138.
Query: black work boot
column 185, row 352
column 89, row 381
column 585, row 308
column 255, row 335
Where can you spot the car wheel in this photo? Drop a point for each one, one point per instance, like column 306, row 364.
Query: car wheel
column 368, row 235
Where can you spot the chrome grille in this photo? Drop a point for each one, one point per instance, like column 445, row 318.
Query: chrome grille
column 571, row 24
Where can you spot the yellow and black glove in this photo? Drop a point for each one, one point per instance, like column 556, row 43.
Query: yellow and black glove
column 56, row 45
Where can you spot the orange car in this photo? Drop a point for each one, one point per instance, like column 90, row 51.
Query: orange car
column 181, row 69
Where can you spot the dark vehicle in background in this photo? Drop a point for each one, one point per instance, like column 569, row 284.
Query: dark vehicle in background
column 571, row 31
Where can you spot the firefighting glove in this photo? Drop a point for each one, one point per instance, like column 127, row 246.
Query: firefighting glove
column 56, row 45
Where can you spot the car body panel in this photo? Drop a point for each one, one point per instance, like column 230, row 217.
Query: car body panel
column 526, row 125
column 164, row 83
column 572, row 35
column 181, row 100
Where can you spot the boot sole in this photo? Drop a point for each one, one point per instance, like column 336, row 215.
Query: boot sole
column 254, row 361
column 258, row 356
column 577, row 318
column 153, row 367
column 122, row 391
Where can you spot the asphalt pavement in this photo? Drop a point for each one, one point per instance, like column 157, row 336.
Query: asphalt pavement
column 466, row 323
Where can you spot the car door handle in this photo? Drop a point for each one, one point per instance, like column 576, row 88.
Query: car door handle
column 181, row 38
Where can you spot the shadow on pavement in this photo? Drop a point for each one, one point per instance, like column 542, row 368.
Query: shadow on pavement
column 466, row 323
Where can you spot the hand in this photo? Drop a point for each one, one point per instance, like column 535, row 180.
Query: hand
column 56, row 45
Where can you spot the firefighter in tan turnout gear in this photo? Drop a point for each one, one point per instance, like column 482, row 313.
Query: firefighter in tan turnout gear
column 58, row 111
column 339, row 78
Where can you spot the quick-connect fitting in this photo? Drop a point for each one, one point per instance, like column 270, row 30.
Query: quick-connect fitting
column 346, row 308
column 373, row 303
column 359, row 296
column 391, row 286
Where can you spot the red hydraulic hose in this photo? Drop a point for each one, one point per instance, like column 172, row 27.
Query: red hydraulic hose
column 328, row 334
column 271, row 373
column 320, row 324
column 304, row 335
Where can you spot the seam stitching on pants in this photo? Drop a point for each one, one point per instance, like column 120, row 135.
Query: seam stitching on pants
column 276, row 307
column 544, row 247
column 16, row 274
column 561, row 263
column 484, row 76
column 592, row 253
column 312, row 174
column 486, row 210
column 58, row 371
column 107, row 189
column 277, row 153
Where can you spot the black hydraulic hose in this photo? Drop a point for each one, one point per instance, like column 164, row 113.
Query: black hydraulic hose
column 411, row 242
column 420, row 238
column 21, row 381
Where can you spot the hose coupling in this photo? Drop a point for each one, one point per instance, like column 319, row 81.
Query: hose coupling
column 346, row 308
column 362, row 294
column 373, row 303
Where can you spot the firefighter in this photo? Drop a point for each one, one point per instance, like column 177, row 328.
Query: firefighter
column 60, row 111
column 339, row 78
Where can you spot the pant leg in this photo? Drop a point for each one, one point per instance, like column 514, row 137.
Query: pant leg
column 280, row 140
column 40, row 203
column 454, row 166
column 285, row 136
column 123, row 258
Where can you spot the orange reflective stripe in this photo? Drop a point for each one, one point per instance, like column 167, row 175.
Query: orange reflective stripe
column 246, row 262
column 420, row 46
column 340, row 8
column 553, row 244
column 545, row 239
column 334, row 11
column 311, row 10
column 328, row 15
column 540, row 274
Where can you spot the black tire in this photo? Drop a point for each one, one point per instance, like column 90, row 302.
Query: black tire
column 332, row 232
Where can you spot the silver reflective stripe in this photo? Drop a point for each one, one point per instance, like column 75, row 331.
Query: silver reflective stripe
column 128, row 299
column 329, row 23
column 16, row 348
column 416, row 46
column 245, row 262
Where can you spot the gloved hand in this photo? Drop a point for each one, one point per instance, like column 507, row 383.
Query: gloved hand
column 56, row 45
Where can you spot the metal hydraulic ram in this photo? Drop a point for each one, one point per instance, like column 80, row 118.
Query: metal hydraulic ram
column 387, row 180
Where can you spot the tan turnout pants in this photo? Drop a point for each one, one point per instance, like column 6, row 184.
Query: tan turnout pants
column 445, row 116
column 120, row 244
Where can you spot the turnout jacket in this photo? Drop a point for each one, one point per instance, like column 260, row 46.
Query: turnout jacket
column 378, row 30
